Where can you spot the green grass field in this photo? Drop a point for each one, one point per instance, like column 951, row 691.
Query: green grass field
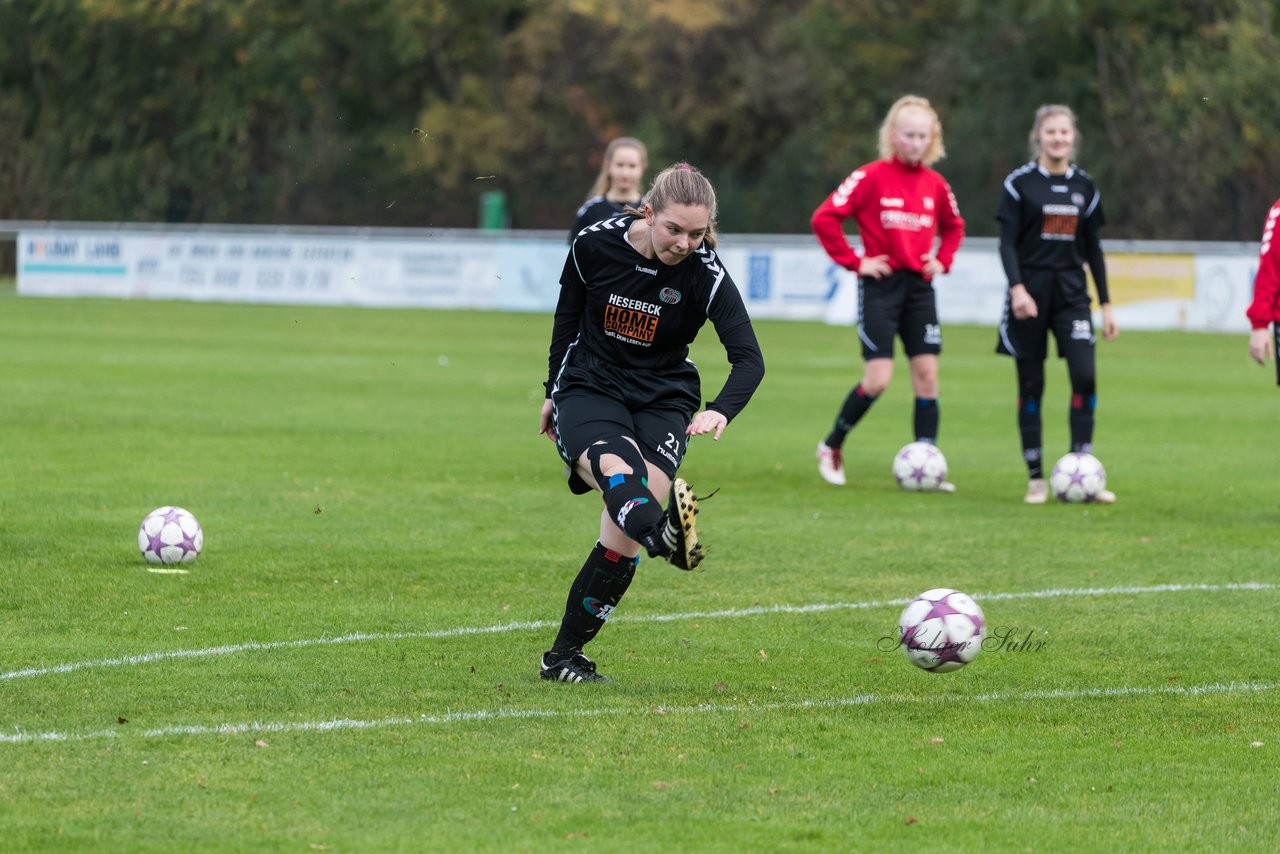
column 351, row 664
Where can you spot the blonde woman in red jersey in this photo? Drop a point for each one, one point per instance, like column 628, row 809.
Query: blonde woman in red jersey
column 902, row 208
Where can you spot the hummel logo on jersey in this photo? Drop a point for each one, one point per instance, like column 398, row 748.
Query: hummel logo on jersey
column 1081, row 330
column 1058, row 188
column 649, row 270
column 841, row 196
column 890, row 203
column 933, row 334
column 604, row 223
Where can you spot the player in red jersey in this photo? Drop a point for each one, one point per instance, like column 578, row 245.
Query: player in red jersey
column 902, row 208
column 1265, row 308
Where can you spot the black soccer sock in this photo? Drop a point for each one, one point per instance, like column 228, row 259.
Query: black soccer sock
column 635, row 510
column 855, row 406
column 1081, row 419
column 1030, row 428
column 926, row 420
column 1030, row 391
column 597, row 590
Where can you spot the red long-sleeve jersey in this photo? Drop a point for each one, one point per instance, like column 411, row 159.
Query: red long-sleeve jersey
column 1265, row 307
column 899, row 209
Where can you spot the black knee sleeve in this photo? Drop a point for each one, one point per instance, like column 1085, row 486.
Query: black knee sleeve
column 620, row 448
column 631, row 505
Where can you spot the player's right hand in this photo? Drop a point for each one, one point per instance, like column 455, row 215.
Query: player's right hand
column 874, row 267
column 1021, row 303
column 544, row 420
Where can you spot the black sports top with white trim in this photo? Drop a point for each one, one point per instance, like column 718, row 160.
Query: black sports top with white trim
column 636, row 312
column 1051, row 222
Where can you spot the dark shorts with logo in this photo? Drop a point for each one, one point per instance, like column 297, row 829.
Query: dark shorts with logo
column 901, row 304
column 1062, row 306
column 593, row 400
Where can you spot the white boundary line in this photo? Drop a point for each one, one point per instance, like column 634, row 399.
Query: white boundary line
column 267, row 727
column 501, row 628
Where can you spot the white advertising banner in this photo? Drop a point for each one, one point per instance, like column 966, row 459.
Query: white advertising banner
column 780, row 278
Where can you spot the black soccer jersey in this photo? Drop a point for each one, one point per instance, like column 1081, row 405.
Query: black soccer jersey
column 598, row 208
column 1051, row 222
column 638, row 313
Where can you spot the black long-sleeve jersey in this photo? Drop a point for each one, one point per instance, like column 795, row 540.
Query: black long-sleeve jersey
column 638, row 313
column 1051, row 222
column 597, row 208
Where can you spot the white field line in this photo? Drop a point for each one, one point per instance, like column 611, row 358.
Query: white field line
column 501, row 628
column 267, row 727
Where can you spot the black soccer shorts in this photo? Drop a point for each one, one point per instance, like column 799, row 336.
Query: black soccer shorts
column 593, row 400
column 901, row 304
column 1062, row 306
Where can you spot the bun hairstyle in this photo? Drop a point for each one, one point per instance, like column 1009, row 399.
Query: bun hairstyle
column 936, row 151
column 682, row 184
column 1045, row 112
column 602, row 184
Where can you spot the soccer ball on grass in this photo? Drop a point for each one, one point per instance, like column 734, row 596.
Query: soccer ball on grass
column 1078, row 478
column 920, row 467
column 941, row 630
column 170, row 535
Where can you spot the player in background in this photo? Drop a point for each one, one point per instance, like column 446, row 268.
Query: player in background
column 901, row 207
column 1050, row 214
column 622, row 396
column 1265, row 309
column 617, row 185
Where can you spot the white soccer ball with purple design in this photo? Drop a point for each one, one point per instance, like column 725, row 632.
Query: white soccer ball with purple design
column 920, row 467
column 1078, row 478
column 941, row 630
column 170, row 535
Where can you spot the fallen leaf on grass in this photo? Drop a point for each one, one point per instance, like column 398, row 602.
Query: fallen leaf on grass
column 764, row 654
column 722, row 687
column 937, row 739
column 1117, row 744
column 260, row 743
column 577, row 835
column 660, row 710
column 1256, row 744
column 660, row 785
column 911, row 819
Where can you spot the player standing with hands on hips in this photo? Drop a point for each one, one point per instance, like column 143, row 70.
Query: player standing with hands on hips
column 622, row 394
column 1050, row 214
column 1264, row 311
column 902, row 207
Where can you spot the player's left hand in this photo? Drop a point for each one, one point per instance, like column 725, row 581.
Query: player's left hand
column 707, row 421
column 932, row 266
column 1260, row 345
column 1109, row 328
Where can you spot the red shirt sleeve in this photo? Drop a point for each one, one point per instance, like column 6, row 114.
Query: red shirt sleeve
column 828, row 220
column 950, row 225
column 1266, row 285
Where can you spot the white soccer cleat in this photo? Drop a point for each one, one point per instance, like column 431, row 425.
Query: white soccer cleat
column 1037, row 491
column 831, row 464
column 946, row 486
column 1105, row 496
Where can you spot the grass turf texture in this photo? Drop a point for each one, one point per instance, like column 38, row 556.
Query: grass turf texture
column 379, row 472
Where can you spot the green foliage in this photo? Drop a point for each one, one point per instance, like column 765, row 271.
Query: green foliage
column 402, row 112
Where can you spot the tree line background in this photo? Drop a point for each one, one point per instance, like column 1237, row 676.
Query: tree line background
column 401, row 113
